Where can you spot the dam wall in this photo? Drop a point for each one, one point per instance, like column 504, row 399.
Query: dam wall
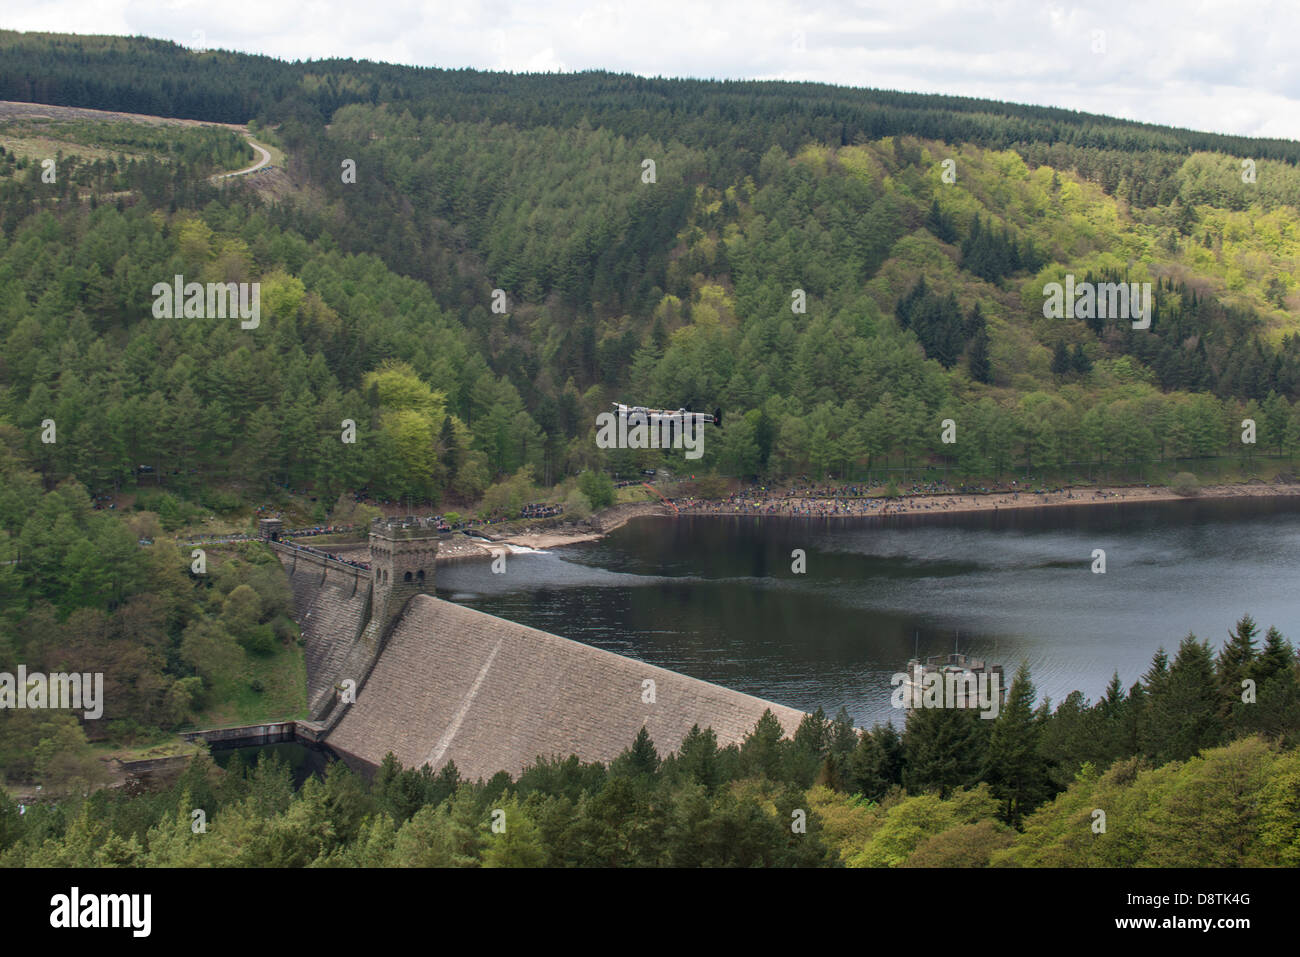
column 436, row 682
column 455, row 684
column 332, row 603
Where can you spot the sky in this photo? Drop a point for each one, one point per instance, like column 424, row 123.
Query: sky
column 1226, row 67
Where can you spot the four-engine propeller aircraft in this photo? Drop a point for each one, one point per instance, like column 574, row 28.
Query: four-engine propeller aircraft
column 639, row 427
column 654, row 417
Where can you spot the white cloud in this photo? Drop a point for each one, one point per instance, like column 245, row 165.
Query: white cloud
column 1223, row 65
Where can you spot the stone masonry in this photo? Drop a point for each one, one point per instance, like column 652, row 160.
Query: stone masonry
column 457, row 684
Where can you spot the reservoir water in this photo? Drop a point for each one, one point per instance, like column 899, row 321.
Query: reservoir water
column 714, row 597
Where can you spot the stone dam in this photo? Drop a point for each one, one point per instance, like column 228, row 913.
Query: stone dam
column 390, row 667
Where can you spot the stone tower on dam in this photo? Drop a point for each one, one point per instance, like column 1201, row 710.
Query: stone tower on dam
column 346, row 610
column 403, row 563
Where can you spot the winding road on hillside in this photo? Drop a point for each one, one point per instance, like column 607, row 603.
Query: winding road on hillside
column 265, row 158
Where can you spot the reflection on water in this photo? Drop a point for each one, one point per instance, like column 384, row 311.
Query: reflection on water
column 715, row 597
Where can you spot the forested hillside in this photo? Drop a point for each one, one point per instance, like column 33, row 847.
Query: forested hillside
column 922, row 297
column 841, row 270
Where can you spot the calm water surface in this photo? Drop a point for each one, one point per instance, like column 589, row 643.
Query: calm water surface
column 715, row 597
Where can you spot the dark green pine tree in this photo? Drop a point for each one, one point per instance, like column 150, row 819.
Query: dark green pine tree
column 972, row 239
column 876, row 764
column 844, row 737
column 1158, row 673
column 1276, row 658
column 642, row 758
column 981, row 368
column 697, row 758
column 1131, row 724
column 1008, row 253
column 1015, row 769
column 616, row 829
column 809, row 748
column 937, row 323
column 1113, row 700
column 1182, row 712
column 1140, row 696
column 907, row 304
column 943, row 749
column 1113, row 711
column 447, row 443
column 444, row 784
column 950, row 337
column 1061, row 364
column 1234, row 662
column 940, row 224
column 762, row 752
column 1079, row 361
column 842, row 741
column 1275, row 710
column 393, row 791
column 1069, row 738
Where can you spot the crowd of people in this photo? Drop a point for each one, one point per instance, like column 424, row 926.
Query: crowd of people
column 826, row 501
column 330, row 555
column 541, row 510
column 802, row 504
column 318, row 530
column 464, row 524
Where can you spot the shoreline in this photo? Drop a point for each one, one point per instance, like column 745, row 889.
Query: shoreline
column 945, row 503
column 606, row 521
column 788, row 506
